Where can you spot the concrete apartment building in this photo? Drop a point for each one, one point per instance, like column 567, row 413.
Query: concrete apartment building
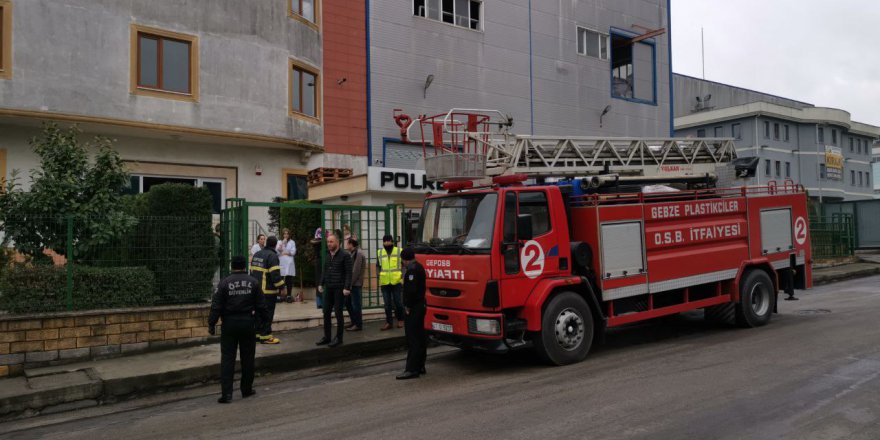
column 246, row 96
column 553, row 66
column 229, row 94
column 819, row 147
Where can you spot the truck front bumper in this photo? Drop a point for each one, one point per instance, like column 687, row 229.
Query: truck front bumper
column 459, row 329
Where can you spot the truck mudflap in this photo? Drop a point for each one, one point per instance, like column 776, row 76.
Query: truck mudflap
column 469, row 330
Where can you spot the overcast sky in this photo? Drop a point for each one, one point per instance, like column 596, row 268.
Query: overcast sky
column 822, row 52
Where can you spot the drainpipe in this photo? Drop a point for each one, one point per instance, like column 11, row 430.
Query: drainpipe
column 757, row 152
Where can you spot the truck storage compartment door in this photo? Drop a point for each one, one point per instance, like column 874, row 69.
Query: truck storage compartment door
column 776, row 231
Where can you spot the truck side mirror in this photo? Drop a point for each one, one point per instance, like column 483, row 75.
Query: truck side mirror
column 524, row 227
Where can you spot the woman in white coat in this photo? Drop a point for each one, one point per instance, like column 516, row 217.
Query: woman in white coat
column 286, row 251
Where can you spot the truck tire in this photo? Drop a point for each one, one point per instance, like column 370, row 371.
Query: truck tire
column 566, row 330
column 756, row 299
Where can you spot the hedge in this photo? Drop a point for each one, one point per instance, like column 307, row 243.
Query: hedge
column 302, row 223
column 41, row 289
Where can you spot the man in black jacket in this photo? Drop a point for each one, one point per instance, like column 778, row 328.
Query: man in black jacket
column 266, row 268
column 415, row 308
column 237, row 299
column 335, row 284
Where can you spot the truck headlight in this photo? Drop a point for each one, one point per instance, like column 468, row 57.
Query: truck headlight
column 484, row 326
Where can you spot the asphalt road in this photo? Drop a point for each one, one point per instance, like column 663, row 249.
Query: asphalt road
column 812, row 373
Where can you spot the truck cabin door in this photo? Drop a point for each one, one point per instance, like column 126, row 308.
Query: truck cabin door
column 528, row 247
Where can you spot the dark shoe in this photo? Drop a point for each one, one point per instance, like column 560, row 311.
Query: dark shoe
column 423, row 371
column 399, row 324
column 248, row 393
column 323, row 341
column 225, row 399
column 354, row 328
column 408, row 375
column 335, row 343
column 387, row 326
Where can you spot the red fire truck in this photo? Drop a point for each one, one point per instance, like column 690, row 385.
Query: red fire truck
column 547, row 242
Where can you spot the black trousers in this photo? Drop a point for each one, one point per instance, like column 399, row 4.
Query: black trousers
column 333, row 302
column 266, row 327
column 237, row 335
column 416, row 339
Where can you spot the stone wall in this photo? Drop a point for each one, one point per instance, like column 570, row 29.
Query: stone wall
column 36, row 340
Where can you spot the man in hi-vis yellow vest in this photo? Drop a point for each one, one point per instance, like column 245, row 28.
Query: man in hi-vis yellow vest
column 391, row 280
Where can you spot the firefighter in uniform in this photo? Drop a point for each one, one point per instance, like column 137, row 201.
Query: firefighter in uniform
column 266, row 268
column 237, row 300
column 388, row 263
column 414, row 302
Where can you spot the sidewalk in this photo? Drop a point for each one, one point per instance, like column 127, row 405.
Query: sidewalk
column 303, row 315
column 71, row 386
column 868, row 265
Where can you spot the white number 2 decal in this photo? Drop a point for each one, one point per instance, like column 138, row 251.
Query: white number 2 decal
column 800, row 230
column 532, row 259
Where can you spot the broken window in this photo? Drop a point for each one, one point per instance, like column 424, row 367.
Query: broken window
column 633, row 75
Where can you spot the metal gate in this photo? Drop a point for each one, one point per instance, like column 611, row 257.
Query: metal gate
column 866, row 219
column 242, row 220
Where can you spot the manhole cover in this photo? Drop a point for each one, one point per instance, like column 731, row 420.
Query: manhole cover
column 812, row 312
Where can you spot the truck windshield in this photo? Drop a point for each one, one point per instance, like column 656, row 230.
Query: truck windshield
column 461, row 222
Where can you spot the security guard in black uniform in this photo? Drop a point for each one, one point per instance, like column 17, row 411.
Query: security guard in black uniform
column 237, row 300
column 415, row 307
column 266, row 268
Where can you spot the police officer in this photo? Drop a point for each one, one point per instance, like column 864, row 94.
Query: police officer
column 414, row 304
column 266, row 268
column 236, row 300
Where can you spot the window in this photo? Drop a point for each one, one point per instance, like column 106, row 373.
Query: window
column 535, row 203
column 788, row 170
column 767, row 164
column 736, row 131
column 633, row 73
column 861, row 179
column 701, row 133
column 592, row 43
column 860, row 146
column 852, row 178
column 834, row 136
column 822, row 171
column 786, row 133
column 767, row 129
column 295, row 184
column 164, row 63
column 851, row 145
column 217, row 187
column 461, row 13
column 820, row 134
column 778, row 169
column 719, row 132
column 304, row 10
column 868, row 179
column 5, row 39
column 776, row 131
column 305, row 89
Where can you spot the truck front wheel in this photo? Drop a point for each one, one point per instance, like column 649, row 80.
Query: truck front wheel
column 566, row 330
column 756, row 299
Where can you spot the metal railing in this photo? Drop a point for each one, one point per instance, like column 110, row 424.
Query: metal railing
column 832, row 236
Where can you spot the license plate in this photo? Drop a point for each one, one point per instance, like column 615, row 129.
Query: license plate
column 441, row 327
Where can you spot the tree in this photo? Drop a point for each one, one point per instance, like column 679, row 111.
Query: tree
column 67, row 185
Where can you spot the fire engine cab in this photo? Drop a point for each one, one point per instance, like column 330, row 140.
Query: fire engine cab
column 546, row 242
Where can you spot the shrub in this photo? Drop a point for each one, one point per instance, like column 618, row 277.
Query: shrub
column 175, row 240
column 40, row 289
column 302, row 223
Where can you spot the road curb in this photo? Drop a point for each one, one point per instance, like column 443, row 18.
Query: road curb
column 833, row 278
column 94, row 388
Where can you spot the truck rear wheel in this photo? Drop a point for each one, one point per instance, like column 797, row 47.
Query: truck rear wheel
column 756, row 298
column 566, row 330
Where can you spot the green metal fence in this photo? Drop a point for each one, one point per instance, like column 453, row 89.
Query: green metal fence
column 832, row 236
column 79, row 263
column 366, row 223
